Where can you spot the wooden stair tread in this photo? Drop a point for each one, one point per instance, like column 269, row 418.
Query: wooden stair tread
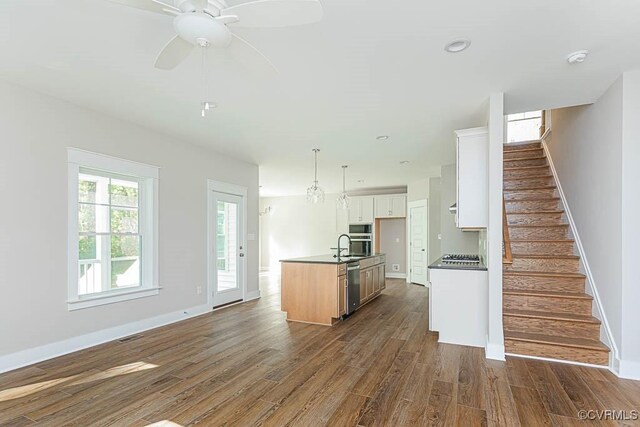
column 543, row 187
column 517, row 178
column 526, row 167
column 567, row 317
column 553, row 340
column 523, row 158
column 536, row 213
column 536, row 226
column 520, row 150
column 542, row 274
column 550, row 294
column 546, row 199
column 540, row 256
column 543, row 240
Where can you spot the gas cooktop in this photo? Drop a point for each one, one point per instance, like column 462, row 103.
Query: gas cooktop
column 458, row 258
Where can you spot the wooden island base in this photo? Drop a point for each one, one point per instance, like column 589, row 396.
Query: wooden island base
column 317, row 292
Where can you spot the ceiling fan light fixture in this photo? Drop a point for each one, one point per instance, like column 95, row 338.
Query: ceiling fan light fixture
column 457, row 46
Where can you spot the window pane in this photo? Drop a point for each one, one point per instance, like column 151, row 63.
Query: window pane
column 87, row 248
column 124, row 193
column 86, row 190
column 125, row 261
column 124, row 220
column 93, row 218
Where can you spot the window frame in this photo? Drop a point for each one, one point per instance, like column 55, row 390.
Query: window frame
column 147, row 177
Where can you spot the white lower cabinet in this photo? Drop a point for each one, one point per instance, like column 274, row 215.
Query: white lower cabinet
column 458, row 306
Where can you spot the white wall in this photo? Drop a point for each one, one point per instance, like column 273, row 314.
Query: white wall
column 435, row 250
column 393, row 243
column 418, row 190
column 596, row 153
column 296, row 228
column 454, row 240
column 493, row 236
column 36, row 130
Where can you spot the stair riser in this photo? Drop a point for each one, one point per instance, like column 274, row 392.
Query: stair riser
column 530, row 194
column 558, row 328
column 542, row 248
column 547, row 304
column 533, row 182
column 557, row 352
column 535, row 219
column 556, row 265
column 553, row 284
column 520, row 173
column 532, row 206
column 510, row 147
column 524, row 162
column 538, row 233
column 513, row 154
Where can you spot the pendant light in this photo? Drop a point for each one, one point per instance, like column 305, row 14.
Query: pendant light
column 315, row 194
column 343, row 200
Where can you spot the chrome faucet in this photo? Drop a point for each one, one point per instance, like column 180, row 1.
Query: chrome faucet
column 340, row 238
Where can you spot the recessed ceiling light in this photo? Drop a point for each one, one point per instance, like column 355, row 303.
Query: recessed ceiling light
column 382, row 137
column 404, row 162
column 577, row 57
column 457, row 46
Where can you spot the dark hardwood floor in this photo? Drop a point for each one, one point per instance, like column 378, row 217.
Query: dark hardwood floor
column 246, row 365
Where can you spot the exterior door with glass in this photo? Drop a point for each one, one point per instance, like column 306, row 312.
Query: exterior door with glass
column 228, row 248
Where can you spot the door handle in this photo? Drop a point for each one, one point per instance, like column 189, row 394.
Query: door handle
column 242, row 255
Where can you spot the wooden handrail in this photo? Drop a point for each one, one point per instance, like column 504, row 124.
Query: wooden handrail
column 506, row 240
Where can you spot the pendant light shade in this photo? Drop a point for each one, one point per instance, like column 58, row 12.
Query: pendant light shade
column 315, row 194
column 343, row 200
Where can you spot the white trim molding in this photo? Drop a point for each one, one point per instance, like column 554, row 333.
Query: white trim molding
column 494, row 351
column 30, row 356
column 592, row 289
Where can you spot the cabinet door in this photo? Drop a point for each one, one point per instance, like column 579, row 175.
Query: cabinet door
column 363, row 286
column 383, row 279
column 382, row 206
column 354, row 210
column 366, row 209
column 369, row 282
column 342, row 295
column 398, row 206
column 376, row 278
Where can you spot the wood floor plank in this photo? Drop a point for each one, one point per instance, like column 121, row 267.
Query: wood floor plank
column 246, row 365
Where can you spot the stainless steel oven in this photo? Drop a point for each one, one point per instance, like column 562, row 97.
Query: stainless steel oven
column 361, row 239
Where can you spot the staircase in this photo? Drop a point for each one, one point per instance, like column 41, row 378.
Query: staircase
column 546, row 311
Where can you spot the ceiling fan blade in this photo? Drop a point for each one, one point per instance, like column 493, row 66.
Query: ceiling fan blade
column 276, row 13
column 227, row 19
column 248, row 55
column 176, row 51
column 149, row 5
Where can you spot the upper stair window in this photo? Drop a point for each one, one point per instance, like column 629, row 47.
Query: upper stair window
column 524, row 126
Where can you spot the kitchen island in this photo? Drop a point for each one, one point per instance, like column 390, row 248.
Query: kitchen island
column 316, row 289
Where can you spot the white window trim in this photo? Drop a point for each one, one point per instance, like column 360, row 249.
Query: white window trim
column 149, row 179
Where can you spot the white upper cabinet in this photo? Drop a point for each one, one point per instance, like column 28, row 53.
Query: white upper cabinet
column 391, row 206
column 361, row 210
column 472, row 168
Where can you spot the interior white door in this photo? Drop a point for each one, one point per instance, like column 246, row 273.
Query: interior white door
column 418, row 243
column 228, row 248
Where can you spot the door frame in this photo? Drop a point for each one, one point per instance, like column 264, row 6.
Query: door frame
column 212, row 272
column 417, row 204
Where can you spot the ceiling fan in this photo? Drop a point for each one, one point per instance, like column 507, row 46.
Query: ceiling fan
column 205, row 23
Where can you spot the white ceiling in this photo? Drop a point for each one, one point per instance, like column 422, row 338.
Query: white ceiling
column 371, row 67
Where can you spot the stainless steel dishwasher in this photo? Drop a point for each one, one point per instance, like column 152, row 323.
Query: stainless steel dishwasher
column 353, row 287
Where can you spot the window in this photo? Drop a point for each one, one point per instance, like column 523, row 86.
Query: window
column 112, row 229
column 524, row 126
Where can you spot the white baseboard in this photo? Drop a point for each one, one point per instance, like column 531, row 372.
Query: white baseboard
column 395, row 275
column 22, row 358
column 566, row 362
column 629, row 369
column 494, row 351
column 252, row 295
